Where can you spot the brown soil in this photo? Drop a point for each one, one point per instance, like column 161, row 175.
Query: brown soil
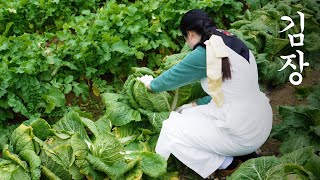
column 285, row 95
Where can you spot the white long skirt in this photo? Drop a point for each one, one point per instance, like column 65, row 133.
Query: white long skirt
column 201, row 137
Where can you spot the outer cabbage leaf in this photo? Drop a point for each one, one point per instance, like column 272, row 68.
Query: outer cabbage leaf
column 155, row 118
column 160, row 101
column 22, row 140
column 91, row 126
column 34, row 162
column 268, row 69
column 81, row 150
column 41, row 128
column 135, row 174
column 299, row 157
column 48, row 173
column 107, row 149
column 104, row 125
column 119, row 112
column 314, row 98
column 292, row 120
column 65, row 153
column 146, row 141
column 135, row 146
column 103, row 155
column 248, row 37
column 306, row 157
column 127, row 133
column 313, row 47
column 313, row 164
column 187, row 94
column 151, row 164
column 11, row 171
column 265, row 20
column 14, row 157
column 287, row 171
column 75, row 172
column 127, row 91
column 255, row 168
column 56, row 160
column 274, row 44
column 312, row 114
column 54, row 165
column 295, row 131
column 116, row 171
column 298, row 164
column 296, row 141
column 71, row 123
column 140, row 95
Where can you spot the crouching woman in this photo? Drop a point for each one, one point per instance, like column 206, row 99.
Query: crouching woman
column 234, row 119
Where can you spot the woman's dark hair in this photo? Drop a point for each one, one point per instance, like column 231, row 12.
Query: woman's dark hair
column 200, row 22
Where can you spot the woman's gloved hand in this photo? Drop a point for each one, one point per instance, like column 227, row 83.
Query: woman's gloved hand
column 186, row 106
column 146, row 80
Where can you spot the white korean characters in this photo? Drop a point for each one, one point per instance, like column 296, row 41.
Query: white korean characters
column 295, row 44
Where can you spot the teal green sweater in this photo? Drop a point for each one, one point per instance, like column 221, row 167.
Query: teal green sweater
column 191, row 69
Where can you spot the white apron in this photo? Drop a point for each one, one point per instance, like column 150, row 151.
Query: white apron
column 202, row 136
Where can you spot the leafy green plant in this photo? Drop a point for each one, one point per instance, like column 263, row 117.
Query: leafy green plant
column 56, row 48
column 254, row 5
column 259, row 28
column 300, row 125
column 18, row 17
column 299, row 164
column 74, row 148
column 135, row 103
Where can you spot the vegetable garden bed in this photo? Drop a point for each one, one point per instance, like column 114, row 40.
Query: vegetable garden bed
column 71, row 107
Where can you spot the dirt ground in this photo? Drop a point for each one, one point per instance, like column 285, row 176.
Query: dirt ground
column 285, row 95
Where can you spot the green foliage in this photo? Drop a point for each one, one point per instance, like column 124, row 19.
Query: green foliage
column 32, row 16
column 5, row 131
column 50, row 49
column 259, row 28
column 151, row 164
column 70, row 45
column 119, row 112
column 74, row 148
column 24, row 151
column 294, row 165
column 300, row 125
column 10, row 170
column 254, row 5
column 136, row 103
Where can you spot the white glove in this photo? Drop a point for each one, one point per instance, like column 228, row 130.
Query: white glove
column 186, row 106
column 146, row 80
